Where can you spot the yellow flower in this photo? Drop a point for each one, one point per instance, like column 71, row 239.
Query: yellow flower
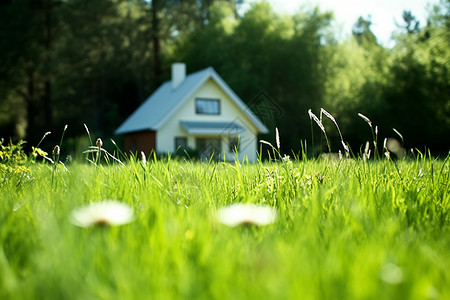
column 22, row 169
column 4, row 155
column 38, row 151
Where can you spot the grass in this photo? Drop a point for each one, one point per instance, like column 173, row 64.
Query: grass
column 347, row 229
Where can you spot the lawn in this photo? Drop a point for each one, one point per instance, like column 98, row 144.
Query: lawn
column 345, row 229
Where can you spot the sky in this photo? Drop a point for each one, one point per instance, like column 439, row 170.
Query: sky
column 383, row 13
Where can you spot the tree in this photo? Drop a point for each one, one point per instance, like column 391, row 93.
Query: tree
column 411, row 24
column 362, row 32
column 94, row 61
column 28, row 29
column 419, row 91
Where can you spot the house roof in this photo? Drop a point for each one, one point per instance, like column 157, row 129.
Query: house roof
column 165, row 101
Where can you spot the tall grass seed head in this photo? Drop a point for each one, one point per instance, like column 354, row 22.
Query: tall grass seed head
column 144, row 159
column 398, row 133
column 346, row 148
column 328, row 115
column 56, row 151
column 99, row 143
column 87, row 129
column 365, row 119
column 318, row 122
column 367, row 151
column 277, row 137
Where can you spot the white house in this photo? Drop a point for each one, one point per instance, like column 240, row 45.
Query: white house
column 198, row 111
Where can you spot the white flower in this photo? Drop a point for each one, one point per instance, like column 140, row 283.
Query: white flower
column 246, row 214
column 107, row 213
column 286, row 158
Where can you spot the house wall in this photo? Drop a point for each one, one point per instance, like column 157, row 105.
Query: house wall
column 136, row 142
column 229, row 112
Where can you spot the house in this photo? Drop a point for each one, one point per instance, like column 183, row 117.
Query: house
column 196, row 111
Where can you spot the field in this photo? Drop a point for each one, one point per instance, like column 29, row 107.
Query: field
column 345, row 229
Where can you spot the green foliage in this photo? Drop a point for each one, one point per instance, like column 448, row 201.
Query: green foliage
column 15, row 163
column 420, row 84
column 362, row 32
column 94, row 62
column 406, row 87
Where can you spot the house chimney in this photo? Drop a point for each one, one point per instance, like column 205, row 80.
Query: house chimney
column 178, row 74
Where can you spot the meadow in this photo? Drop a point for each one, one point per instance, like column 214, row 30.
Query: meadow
column 345, row 229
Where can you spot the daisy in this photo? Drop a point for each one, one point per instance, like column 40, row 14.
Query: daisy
column 106, row 213
column 246, row 214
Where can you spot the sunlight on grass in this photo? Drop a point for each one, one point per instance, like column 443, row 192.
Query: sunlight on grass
column 344, row 229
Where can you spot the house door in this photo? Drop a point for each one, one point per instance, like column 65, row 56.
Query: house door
column 208, row 147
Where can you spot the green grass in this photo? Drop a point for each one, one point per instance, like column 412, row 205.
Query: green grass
column 346, row 229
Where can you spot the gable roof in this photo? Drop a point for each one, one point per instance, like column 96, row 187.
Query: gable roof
column 165, row 101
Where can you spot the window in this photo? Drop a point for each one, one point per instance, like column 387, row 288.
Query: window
column 180, row 142
column 233, row 143
column 207, row 106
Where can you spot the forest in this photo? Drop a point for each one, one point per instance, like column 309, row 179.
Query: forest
column 93, row 62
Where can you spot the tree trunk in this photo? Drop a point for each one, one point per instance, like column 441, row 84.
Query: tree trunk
column 157, row 69
column 34, row 118
column 46, row 98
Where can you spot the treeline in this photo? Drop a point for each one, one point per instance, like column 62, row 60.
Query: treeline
column 93, row 62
